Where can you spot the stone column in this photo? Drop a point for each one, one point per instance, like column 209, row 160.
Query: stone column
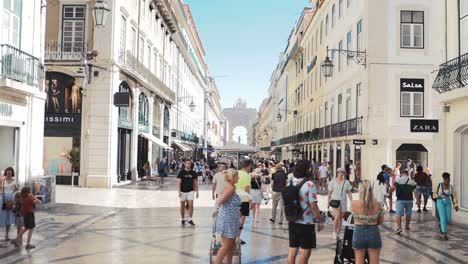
column 136, row 129
column 150, row 125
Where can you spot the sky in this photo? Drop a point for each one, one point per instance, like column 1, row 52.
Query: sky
column 242, row 40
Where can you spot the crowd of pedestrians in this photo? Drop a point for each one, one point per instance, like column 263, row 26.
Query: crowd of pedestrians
column 237, row 193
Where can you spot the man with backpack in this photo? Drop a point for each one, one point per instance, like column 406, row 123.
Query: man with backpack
column 302, row 212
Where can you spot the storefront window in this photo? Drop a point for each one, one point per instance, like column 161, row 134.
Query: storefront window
column 347, row 154
column 9, row 150
column 332, row 160
column 338, row 156
column 143, row 110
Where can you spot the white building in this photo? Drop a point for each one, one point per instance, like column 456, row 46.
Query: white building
column 451, row 88
column 364, row 110
column 124, row 93
column 22, row 94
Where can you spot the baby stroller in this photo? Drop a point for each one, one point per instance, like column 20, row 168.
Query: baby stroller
column 215, row 244
column 344, row 252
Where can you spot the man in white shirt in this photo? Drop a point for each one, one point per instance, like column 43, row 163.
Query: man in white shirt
column 219, row 181
column 323, row 176
column 352, row 174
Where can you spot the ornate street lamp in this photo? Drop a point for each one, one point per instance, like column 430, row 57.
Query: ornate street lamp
column 327, row 67
column 192, row 106
column 279, row 117
column 100, row 12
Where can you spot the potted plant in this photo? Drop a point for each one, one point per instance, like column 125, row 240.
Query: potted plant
column 73, row 156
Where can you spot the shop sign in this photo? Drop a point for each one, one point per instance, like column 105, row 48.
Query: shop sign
column 424, row 126
column 6, row 110
column 69, row 120
column 122, row 99
column 412, row 85
column 359, row 142
column 312, row 64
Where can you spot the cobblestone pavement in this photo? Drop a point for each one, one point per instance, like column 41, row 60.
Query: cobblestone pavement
column 141, row 224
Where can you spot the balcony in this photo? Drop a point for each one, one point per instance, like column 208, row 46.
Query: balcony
column 137, row 69
column 452, row 75
column 20, row 66
column 55, row 51
column 342, row 129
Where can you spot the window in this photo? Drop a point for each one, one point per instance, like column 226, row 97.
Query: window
column 464, row 26
column 333, row 16
column 148, row 53
column 359, row 43
column 412, row 29
column 326, row 25
column 340, row 47
column 340, row 8
column 358, row 95
column 155, row 63
column 349, row 43
column 348, row 104
column 12, row 10
column 141, row 49
column 340, row 103
column 142, row 8
column 412, row 104
column 133, row 42
column 123, row 34
column 332, row 109
column 326, row 114
column 321, row 33
column 73, row 28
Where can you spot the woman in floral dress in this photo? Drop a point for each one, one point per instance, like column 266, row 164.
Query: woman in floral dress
column 228, row 222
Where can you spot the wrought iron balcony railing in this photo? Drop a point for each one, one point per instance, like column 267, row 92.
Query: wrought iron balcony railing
column 345, row 128
column 20, row 66
column 133, row 65
column 452, row 75
column 55, row 51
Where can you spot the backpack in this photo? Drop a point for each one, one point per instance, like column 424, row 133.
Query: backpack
column 292, row 207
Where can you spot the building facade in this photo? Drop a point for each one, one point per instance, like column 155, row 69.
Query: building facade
column 379, row 86
column 122, row 93
column 22, row 95
column 451, row 89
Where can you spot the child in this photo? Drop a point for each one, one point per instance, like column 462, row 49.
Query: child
column 29, row 205
column 19, row 220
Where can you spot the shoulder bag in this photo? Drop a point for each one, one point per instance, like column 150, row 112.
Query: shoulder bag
column 337, row 203
column 5, row 205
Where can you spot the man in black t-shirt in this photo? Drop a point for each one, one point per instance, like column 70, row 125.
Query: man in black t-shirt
column 187, row 185
column 279, row 184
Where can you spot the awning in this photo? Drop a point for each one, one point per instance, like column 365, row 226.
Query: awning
column 155, row 140
column 182, row 146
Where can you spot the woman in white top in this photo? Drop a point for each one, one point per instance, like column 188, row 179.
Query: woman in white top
column 8, row 187
column 338, row 188
column 380, row 189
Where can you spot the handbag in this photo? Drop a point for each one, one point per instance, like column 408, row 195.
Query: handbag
column 337, row 203
column 5, row 205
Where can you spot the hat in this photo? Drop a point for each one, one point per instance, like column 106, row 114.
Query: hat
column 257, row 172
column 340, row 170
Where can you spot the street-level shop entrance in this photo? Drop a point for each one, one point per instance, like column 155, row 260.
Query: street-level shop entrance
column 416, row 152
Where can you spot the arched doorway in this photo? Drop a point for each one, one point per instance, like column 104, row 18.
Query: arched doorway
column 124, row 140
column 143, row 126
column 463, row 165
column 239, row 135
column 416, row 152
column 338, row 156
column 347, row 154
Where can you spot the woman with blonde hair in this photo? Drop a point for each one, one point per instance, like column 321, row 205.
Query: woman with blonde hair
column 228, row 222
column 367, row 214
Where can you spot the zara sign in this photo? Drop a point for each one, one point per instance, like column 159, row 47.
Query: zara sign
column 424, row 126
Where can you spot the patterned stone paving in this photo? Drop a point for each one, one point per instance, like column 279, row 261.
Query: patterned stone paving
column 134, row 231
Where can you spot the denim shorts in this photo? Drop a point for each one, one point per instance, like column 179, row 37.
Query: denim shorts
column 404, row 208
column 366, row 237
column 423, row 190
